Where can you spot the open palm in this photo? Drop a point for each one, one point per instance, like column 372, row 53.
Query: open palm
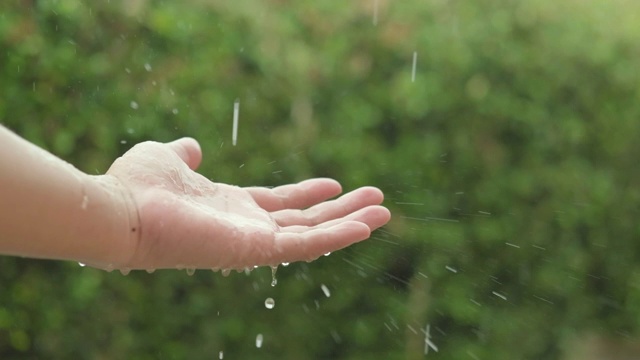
column 188, row 221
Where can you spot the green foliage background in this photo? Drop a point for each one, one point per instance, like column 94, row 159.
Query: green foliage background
column 509, row 164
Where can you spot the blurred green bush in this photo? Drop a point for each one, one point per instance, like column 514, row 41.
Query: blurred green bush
column 510, row 165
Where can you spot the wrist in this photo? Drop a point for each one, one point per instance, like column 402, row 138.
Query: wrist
column 122, row 219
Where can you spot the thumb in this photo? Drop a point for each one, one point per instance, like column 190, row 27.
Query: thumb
column 188, row 150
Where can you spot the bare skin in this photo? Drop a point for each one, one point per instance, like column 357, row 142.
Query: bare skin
column 151, row 210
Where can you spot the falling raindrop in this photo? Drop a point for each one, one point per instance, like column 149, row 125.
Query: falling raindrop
column 221, row 355
column 428, row 344
column 269, row 303
column 413, row 67
column 503, row 297
column 123, row 142
column 175, row 111
column 236, row 111
column 147, row 67
column 274, row 280
column 259, row 339
column 134, row 105
column 375, row 12
column 325, row 290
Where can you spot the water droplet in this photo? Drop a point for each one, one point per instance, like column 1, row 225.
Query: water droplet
column 215, row 269
column 123, row 142
column 134, row 105
column 269, row 303
column 274, row 280
column 151, row 271
column 82, row 264
column 127, row 70
column 226, row 272
column 247, row 271
column 221, row 355
column 130, row 131
column 147, row 67
column 191, row 271
column 109, row 268
column 259, row 339
column 85, row 202
column 175, row 111
column 325, row 290
column 285, row 264
column 180, row 267
column 327, row 254
column 125, row 271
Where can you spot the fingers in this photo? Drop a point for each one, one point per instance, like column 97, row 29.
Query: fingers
column 295, row 196
column 310, row 245
column 330, row 210
column 372, row 216
column 188, row 150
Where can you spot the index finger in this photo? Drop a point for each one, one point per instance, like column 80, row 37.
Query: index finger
column 295, row 196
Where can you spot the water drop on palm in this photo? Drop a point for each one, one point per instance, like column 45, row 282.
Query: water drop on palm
column 191, row 271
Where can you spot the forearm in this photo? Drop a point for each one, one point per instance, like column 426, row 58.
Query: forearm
column 49, row 209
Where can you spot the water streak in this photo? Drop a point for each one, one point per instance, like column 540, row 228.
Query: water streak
column 375, row 12
column 236, row 112
column 413, row 67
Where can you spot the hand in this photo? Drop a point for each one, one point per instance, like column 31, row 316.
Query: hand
column 187, row 221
